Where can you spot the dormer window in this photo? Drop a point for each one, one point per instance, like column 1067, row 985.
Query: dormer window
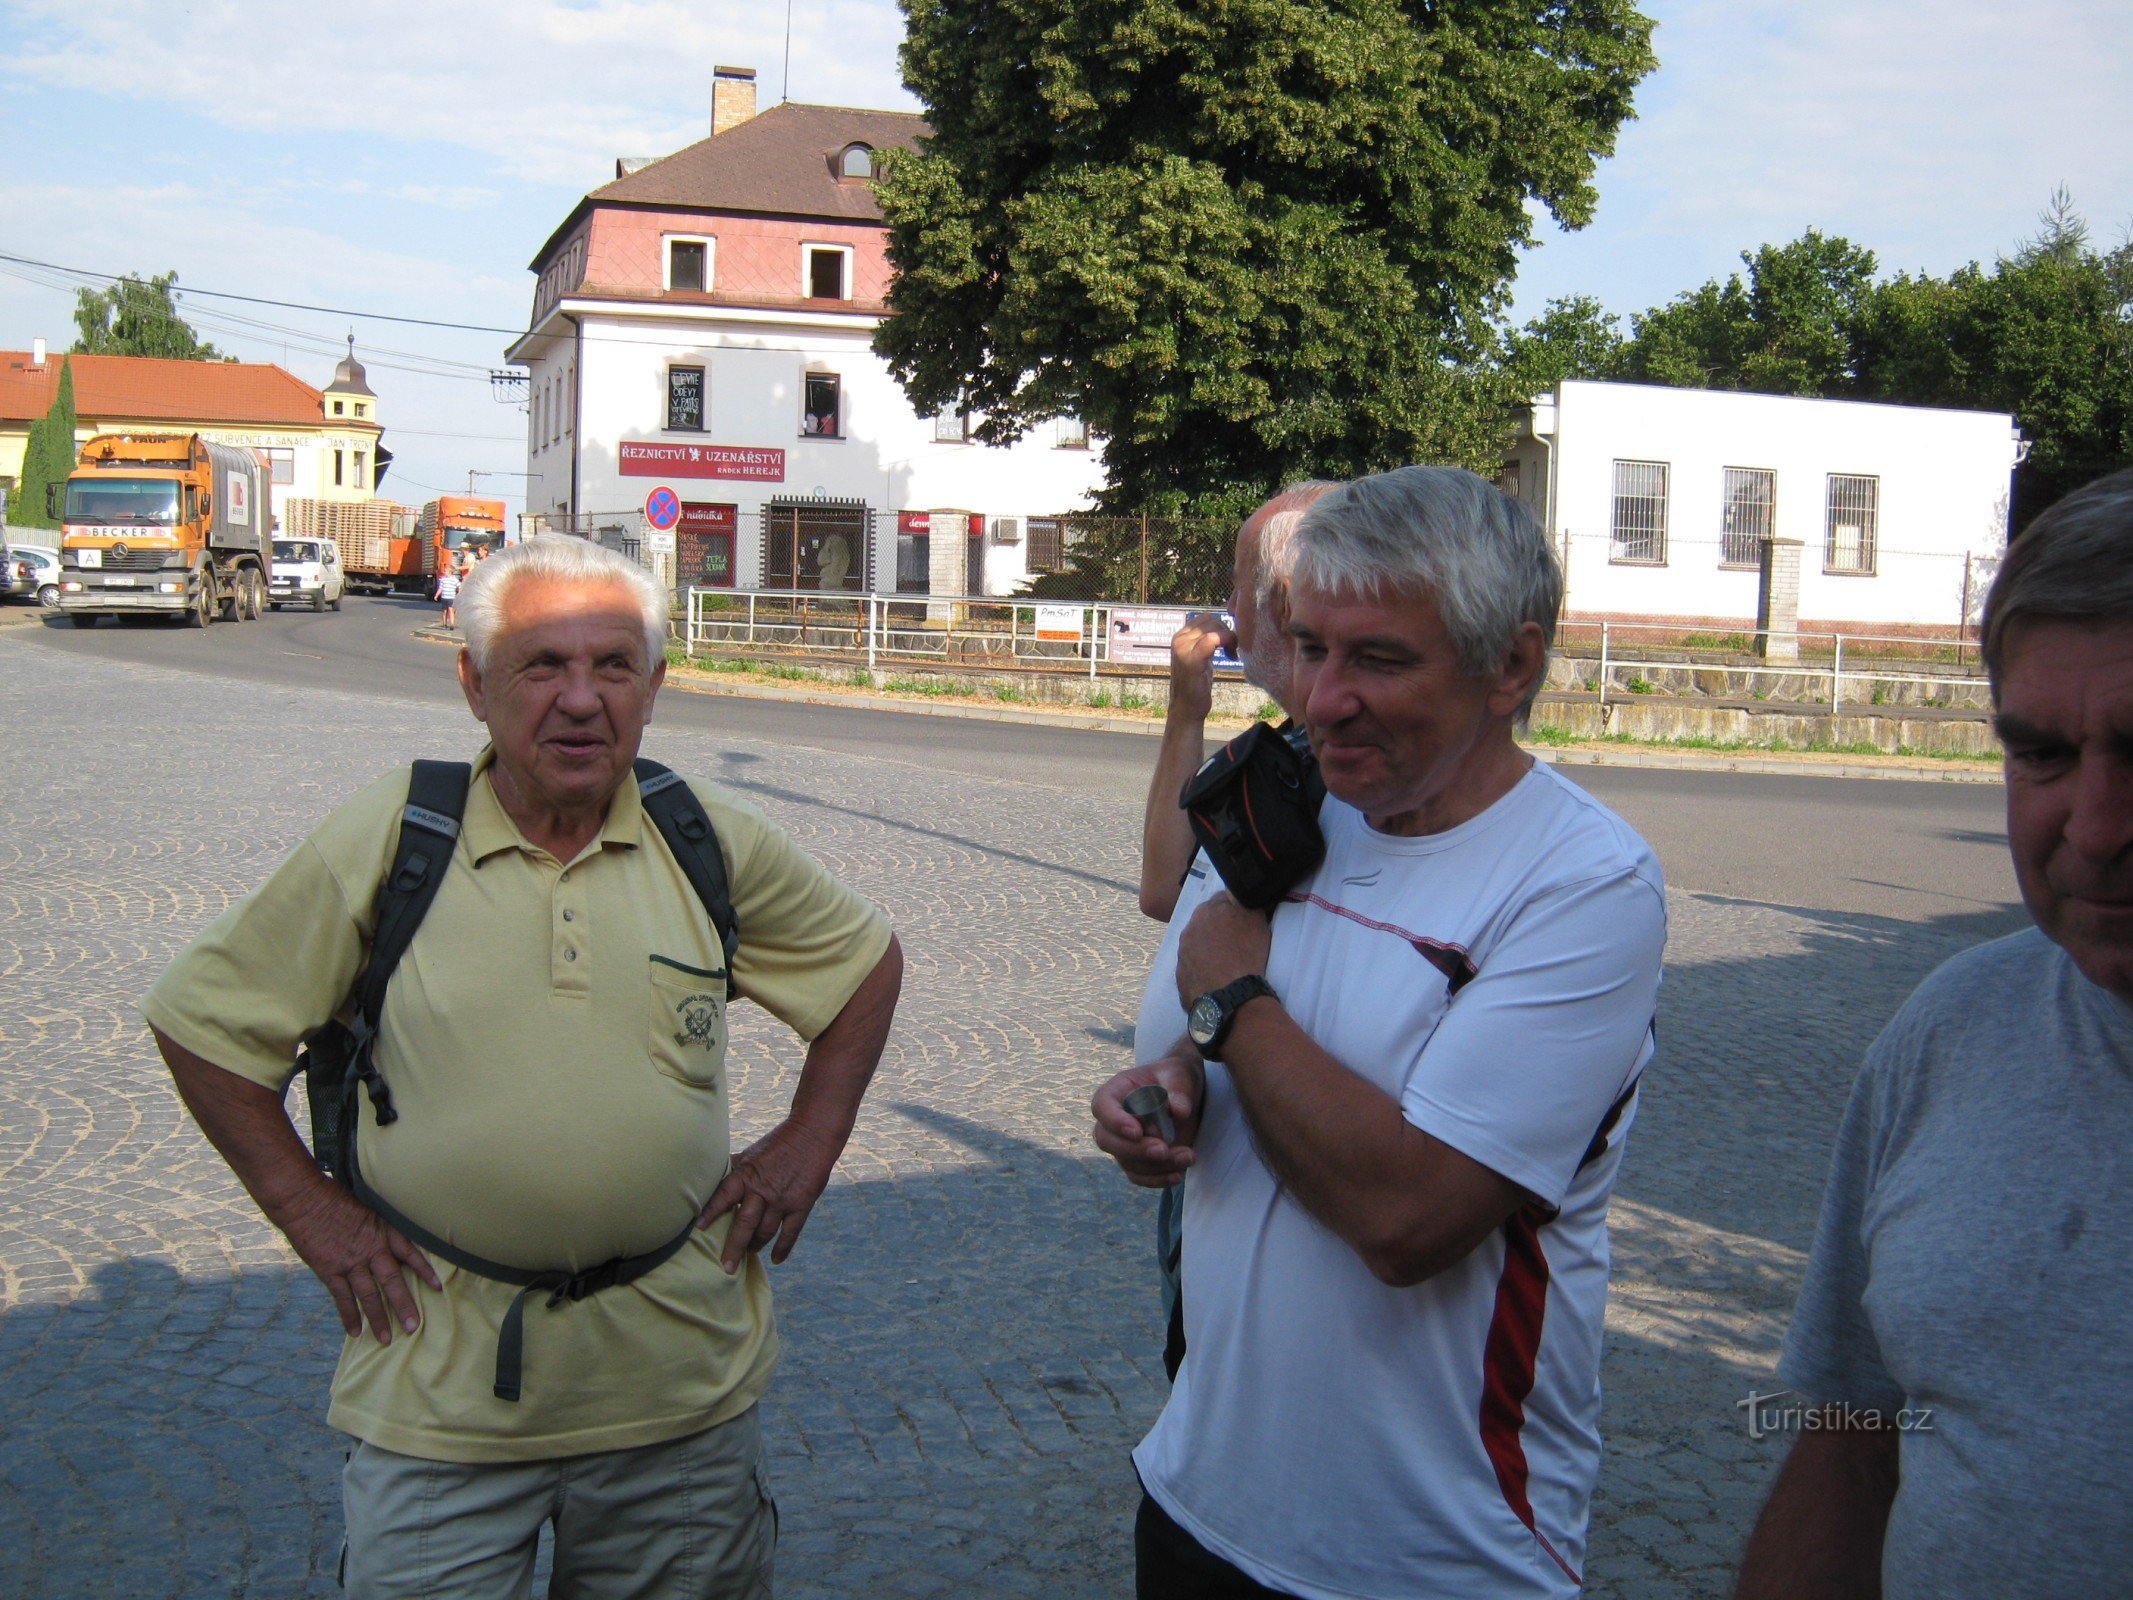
column 688, row 262
column 337, row 408
column 826, row 271
column 856, row 164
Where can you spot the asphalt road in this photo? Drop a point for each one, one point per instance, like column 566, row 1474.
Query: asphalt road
column 1911, row 851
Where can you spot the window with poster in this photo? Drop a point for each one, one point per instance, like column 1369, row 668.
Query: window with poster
column 685, row 399
column 823, row 417
column 703, row 545
column 914, row 552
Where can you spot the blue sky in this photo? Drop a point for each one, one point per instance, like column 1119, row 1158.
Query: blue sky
column 408, row 158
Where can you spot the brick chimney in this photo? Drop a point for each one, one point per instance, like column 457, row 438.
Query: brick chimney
column 732, row 97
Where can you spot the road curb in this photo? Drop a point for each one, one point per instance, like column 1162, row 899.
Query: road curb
column 1773, row 763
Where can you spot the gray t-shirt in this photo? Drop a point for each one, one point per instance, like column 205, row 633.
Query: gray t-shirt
column 1974, row 1263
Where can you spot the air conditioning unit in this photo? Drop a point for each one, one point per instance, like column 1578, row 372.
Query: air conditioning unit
column 1006, row 530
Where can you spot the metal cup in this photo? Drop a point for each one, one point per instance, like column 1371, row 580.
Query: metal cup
column 1151, row 1103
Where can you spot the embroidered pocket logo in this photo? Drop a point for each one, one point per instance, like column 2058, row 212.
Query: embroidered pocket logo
column 699, row 1021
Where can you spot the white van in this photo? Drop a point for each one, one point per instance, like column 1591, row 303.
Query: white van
column 306, row 572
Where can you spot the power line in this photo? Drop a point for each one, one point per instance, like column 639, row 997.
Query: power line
column 285, row 305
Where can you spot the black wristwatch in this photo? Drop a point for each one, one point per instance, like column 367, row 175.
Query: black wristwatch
column 1209, row 1021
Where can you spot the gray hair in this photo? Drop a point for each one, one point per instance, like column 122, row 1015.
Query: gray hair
column 2075, row 563
column 561, row 558
column 1284, row 514
column 1473, row 549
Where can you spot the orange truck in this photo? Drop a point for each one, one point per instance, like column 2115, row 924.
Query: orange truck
column 458, row 522
column 163, row 524
column 380, row 553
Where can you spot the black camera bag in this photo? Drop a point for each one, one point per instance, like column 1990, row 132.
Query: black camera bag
column 1254, row 810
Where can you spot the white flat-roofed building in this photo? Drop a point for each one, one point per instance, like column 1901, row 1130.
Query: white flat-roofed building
column 1658, row 501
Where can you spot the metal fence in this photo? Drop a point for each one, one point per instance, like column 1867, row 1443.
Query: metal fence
column 1897, row 667
column 1145, row 560
column 971, row 631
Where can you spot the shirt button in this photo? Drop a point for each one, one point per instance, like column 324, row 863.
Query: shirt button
column 570, row 955
column 565, row 878
column 567, row 916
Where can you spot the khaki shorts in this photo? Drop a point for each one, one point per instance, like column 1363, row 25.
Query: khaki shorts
column 691, row 1519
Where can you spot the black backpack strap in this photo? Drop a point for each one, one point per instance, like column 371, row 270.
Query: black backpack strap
column 429, row 828
column 680, row 818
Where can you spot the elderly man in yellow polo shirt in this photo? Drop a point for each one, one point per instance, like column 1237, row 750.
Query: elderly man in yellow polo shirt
column 551, row 1117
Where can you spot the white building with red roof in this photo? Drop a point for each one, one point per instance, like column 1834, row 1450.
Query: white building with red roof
column 703, row 324
column 322, row 444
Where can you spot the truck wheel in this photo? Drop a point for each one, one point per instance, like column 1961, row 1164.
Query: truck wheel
column 82, row 620
column 231, row 606
column 205, row 603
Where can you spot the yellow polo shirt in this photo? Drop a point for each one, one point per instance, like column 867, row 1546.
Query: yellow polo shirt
column 555, row 1043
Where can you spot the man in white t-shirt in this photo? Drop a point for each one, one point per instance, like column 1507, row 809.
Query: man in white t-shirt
column 1401, row 1102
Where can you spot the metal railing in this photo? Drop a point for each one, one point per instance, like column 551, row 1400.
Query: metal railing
column 957, row 630
column 1866, row 666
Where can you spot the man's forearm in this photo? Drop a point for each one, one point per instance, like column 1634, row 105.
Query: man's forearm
column 1166, row 836
column 248, row 1124
column 841, row 1061
column 1408, row 1204
column 1821, row 1534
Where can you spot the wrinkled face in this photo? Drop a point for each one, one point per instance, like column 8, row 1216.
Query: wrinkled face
column 2066, row 718
column 1400, row 732
column 566, row 694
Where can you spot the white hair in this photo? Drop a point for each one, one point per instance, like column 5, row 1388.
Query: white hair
column 1283, row 515
column 560, row 558
column 1471, row 548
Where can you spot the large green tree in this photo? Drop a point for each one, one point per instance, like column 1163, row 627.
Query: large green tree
column 137, row 317
column 47, row 456
column 1245, row 240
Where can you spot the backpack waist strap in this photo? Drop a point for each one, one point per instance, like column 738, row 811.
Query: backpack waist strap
column 558, row 1284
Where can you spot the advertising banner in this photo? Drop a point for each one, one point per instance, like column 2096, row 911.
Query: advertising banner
column 1065, row 624
column 1141, row 635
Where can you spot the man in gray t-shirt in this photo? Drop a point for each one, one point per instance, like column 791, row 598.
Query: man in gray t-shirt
column 1965, row 1332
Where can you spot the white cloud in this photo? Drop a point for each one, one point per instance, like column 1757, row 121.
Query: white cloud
column 549, row 92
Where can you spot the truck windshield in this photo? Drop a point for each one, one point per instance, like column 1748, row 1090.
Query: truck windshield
column 291, row 550
column 130, row 502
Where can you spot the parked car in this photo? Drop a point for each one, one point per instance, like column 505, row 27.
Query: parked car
column 31, row 572
column 306, row 572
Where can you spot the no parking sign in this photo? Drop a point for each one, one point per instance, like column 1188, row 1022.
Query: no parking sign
column 662, row 509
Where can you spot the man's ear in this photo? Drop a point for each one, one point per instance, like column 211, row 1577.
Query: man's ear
column 1522, row 667
column 470, row 684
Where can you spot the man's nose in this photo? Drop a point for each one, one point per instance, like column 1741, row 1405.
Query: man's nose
column 2100, row 823
column 579, row 696
column 1329, row 696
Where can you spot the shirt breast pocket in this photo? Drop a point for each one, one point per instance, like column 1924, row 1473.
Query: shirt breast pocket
column 688, row 1022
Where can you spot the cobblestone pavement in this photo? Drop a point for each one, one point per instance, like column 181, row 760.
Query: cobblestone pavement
column 971, row 1339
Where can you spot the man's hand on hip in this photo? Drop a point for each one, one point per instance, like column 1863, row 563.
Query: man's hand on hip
column 1143, row 1157
column 360, row 1258
column 772, row 1186
column 1223, row 942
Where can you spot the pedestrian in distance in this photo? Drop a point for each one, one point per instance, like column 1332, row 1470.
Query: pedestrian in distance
column 1957, row 1362
column 554, row 1253
column 448, row 582
column 1400, row 1103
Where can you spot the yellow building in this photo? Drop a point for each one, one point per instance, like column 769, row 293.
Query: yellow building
column 321, row 445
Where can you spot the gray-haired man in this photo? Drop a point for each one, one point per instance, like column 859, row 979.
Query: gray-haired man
column 1964, row 1328
column 1397, row 1151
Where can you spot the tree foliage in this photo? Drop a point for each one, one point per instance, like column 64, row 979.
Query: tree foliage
column 137, row 317
column 1245, row 240
column 47, row 456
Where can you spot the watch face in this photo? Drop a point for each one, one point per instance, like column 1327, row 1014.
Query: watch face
column 1204, row 1020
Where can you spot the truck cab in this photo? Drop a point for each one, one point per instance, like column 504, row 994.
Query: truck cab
column 163, row 524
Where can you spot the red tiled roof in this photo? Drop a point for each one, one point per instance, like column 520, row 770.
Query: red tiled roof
column 781, row 162
column 148, row 389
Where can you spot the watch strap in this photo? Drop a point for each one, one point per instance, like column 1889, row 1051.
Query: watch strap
column 1230, row 999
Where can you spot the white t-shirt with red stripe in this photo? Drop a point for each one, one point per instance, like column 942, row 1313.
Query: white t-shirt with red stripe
column 1336, row 1437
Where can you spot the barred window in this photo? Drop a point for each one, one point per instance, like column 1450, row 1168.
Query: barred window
column 1750, row 516
column 1640, row 513
column 951, row 424
column 1854, row 524
column 1045, row 543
